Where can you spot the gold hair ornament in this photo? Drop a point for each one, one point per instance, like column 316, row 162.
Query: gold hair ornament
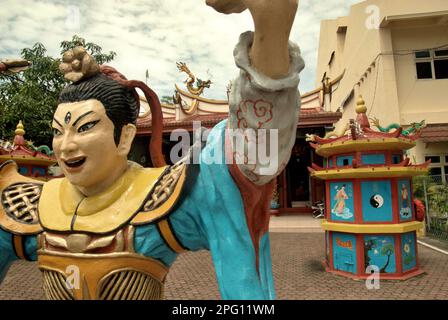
column 77, row 64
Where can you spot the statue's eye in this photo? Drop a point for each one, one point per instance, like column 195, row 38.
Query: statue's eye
column 88, row 126
column 56, row 132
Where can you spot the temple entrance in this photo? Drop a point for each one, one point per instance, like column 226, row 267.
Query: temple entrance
column 297, row 176
column 297, row 191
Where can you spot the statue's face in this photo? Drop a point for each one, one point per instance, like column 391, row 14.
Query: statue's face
column 84, row 144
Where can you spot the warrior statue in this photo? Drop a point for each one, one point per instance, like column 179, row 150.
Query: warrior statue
column 121, row 226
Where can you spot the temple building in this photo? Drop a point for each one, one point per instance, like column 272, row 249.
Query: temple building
column 296, row 191
column 394, row 54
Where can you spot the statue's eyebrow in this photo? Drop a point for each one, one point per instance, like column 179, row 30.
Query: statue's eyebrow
column 54, row 119
column 80, row 117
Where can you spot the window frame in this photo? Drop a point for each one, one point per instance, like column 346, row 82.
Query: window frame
column 431, row 59
column 441, row 165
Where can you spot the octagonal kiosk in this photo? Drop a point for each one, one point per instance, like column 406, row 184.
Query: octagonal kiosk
column 31, row 161
column 371, row 219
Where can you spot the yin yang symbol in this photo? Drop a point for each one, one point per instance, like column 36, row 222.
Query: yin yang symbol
column 376, row 201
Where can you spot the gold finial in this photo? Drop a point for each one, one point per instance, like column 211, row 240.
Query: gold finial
column 361, row 105
column 20, row 129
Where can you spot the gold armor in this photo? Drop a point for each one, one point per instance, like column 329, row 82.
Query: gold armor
column 87, row 251
column 104, row 267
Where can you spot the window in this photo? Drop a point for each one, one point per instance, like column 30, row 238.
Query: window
column 344, row 161
column 436, row 175
column 441, row 69
column 372, row 159
column 431, row 64
column 424, row 70
column 438, row 169
column 441, row 53
column 23, row 170
column 435, row 171
column 396, row 158
column 38, row 172
column 434, row 159
column 422, row 54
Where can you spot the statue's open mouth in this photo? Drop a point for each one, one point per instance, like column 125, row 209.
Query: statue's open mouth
column 75, row 163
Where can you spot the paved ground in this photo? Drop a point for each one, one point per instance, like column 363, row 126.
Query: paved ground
column 293, row 224
column 297, row 270
column 433, row 241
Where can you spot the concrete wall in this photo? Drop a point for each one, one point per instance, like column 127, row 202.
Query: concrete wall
column 417, row 95
column 422, row 150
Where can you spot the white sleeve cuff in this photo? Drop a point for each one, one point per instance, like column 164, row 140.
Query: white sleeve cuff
column 261, row 81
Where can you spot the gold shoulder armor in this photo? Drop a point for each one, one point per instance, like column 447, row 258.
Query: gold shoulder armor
column 19, row 198
column 164, row 195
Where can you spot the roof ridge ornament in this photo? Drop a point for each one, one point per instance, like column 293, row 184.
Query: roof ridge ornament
column 361, row 105
column 192, row 81
column 20, row 129
column 19, row 140
column 361, row 110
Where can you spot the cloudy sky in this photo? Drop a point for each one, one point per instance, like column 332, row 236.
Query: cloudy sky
column 155, row 34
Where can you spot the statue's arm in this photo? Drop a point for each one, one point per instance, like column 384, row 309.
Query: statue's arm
column 265, row 95
column 7, row 255
column 19, row 225
column 273, row 21
column 15, row 247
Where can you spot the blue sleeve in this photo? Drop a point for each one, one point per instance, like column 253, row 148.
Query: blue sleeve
column 31, row 248
column 149, row 243
column 7, row 255
column 211, row 216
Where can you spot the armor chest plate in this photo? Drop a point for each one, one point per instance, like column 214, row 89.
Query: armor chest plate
column 101, row 267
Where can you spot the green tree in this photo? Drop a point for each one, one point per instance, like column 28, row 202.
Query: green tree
column 387, row 250
column 31, row 96
column 166, row 100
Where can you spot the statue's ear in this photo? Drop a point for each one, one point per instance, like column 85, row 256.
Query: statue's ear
column 127, row 136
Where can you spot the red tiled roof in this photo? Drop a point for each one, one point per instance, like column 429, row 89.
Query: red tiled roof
column 308, row 116
column 435, row 133
column 172, row 122
column 23, row 152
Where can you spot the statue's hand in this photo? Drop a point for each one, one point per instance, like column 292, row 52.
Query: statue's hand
column 258, row 8
column 227, row 6
column 14, row 65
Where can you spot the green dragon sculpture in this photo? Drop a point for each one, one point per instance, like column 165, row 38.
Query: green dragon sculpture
column 43, row 149
column 415, row 126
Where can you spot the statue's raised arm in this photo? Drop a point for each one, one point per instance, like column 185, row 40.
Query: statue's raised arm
column 273, row 22
column 265, row 96
column 264, row 107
